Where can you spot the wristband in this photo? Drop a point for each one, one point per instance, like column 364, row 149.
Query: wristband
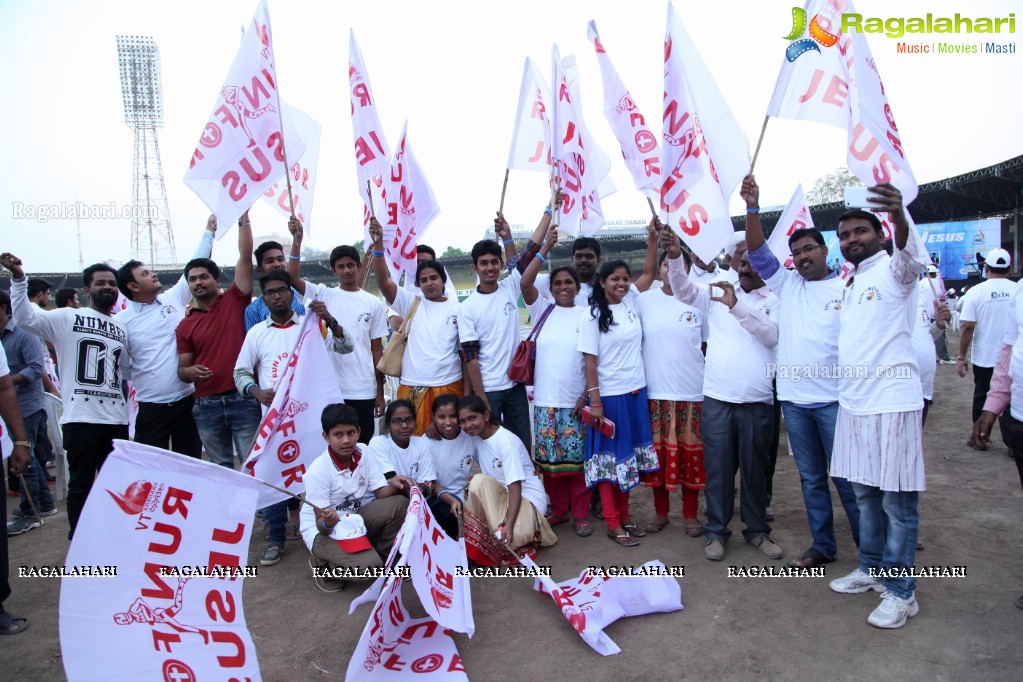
column 752, row 210
column 290, row 257
column 378, row 254
column 506, row 242
column 23, row 443
column 548, row 211
column 598, row 405
column 540, row 256
column 324, row 525
column 244, row 223
column 591, row 390
column 248, row 389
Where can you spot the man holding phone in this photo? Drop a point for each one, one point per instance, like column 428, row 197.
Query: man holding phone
column 878, row 435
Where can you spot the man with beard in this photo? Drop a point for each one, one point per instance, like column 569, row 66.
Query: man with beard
column 811, row 297
column 89, row 344
column 208, row 340
column 737, row 396
column 878, row 435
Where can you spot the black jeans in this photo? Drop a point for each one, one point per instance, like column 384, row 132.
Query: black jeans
column 169, row 426
column 1013, row 434
column 364, row 408
column 981, row 386
column 87, row 447
column 5, row 583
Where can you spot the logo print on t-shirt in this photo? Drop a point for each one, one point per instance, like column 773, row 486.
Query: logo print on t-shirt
column 833, row 304
column 508, row 307
column 466, row 461
column 497, row 463
column 452, row 320
column 364, row 317
column 690, row 317
column 870, row 294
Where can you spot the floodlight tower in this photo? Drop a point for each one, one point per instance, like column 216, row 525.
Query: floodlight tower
column 152, row 239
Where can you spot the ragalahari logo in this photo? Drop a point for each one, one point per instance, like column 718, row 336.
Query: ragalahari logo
column 818, row 35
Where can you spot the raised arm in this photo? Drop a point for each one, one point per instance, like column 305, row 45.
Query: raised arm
column 650, row 262
column 684, row 288
column 243, row 269
column 295, row 258
column 504, row 236
column 387, row 286
column 528, row 281
column 536, row 239
column 750, row 193
column 26, row 314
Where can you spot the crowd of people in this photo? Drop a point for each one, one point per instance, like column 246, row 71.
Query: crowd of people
column 676, row 380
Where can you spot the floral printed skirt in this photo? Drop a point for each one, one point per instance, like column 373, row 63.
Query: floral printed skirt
column 560, row 441
column 679, row 445
column 623, row 458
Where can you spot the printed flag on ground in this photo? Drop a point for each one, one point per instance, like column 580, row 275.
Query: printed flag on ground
column 411, row 207
column 704, row 153
column 289, row 436
column 591, row 603
column 150, row 511
column 839, row 84
column 372, row 154
column 302, row 170
column 241, row 149
column 582, row 167
column 638, row 143
column 796, row 216
column 531, row 136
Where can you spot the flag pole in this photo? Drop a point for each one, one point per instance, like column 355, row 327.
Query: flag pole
column 504, row 188
column 291, row 494
column 650, row 202
column 28, row 494
column 760, row 141
column 372, row 214
column 369, row 196
column 284, row 153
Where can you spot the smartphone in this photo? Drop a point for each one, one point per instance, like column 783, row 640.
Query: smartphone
column 856, row 197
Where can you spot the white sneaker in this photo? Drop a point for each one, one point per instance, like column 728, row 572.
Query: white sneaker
column 856, row 582
column 893, row 611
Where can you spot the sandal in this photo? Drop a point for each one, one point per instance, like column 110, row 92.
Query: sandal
column 624, row 540
column 811, row 558
column 556, row 520
column 694, row 531
column 656, row 526
column 633, row 530
column 12, row 625
column 583, row 528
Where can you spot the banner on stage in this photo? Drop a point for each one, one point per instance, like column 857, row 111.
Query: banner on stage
column 158, row 516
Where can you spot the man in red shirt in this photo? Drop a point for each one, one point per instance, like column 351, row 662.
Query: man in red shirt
column 209, row 339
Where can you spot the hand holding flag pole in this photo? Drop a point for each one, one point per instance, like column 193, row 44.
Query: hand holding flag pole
column 504, row 188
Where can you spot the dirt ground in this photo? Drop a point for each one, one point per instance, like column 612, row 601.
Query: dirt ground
column 731, row 628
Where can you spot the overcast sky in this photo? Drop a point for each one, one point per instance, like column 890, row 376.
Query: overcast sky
column 453, row 69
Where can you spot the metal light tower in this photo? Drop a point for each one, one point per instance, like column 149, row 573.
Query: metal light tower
column 152, row 239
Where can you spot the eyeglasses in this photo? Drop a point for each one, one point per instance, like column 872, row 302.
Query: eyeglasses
column 273, row 293
column 796, row 253
column 402, row 421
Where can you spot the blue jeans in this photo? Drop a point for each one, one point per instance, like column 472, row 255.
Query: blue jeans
column 511, row 406
column 276, row 519
column 35, row 475
column 812, row 435
column 227, row 424
column 888, row 530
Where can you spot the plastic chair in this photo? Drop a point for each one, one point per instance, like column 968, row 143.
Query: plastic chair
column 54, row 411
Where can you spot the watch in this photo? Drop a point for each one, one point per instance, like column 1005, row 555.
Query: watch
column 333, row 323
column 23, row 443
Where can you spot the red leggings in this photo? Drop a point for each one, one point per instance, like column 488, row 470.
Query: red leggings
column 690, row 501
column 568, row 493
column 615, row 504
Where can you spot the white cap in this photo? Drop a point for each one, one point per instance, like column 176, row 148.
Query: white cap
column 951, row 292
column 733, row 241
column 931, row 268
column 998, row 258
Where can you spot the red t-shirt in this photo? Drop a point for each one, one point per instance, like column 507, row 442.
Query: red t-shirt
column 216, row 337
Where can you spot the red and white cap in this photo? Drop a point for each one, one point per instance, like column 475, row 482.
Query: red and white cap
column 350, row 534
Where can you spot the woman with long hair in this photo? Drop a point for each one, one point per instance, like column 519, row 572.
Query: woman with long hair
column 611, row 339
column 558, row 390
column 503, row 511
column 672, row 335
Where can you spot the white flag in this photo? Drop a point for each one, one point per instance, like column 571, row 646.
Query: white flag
column 833, row 78
column 531, row 136
column 796, row 216
column 241, row 149
column 704, row 154
column 638, row 143
column 592, row 602
column 372, row 154
column 302, row 171
column 582, row 166
column 411, row 207
column 289, row 437
column 155, row 516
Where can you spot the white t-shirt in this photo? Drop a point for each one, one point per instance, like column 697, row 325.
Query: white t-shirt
column 1013, row 334
column 923, row 343
column 875, row 344
column 808, row 323
column 328, row 486
column 493, row 320
column 415, row 461
column 452, row 459
column 363, row 318
column 619, row 352
column 582, row 299
column 265, row 352
column 503, row 457
column 718, row 274
column 928, row 287
column 431, row 355
column 89, row 348
column 987, row 304
column 672, row 334
column 153, row 349
column 559, row 376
